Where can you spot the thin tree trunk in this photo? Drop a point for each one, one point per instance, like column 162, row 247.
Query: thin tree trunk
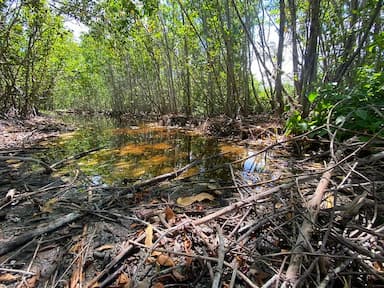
column 187, row 76
column 231, row 105
column 343, row 68
column 295, row 54
column 171, row 85
column 309, row 71
column 279, row 71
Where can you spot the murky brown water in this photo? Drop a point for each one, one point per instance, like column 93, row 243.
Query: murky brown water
column 137, row 152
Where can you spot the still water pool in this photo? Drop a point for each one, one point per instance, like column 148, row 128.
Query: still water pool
column 130, row 152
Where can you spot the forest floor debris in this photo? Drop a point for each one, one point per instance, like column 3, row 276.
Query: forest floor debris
column 316, row 223
column 15, row 133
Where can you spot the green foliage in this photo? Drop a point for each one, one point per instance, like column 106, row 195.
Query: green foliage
column 359, row 108
column 191, row 56
column 362, row 109
column 28, row 33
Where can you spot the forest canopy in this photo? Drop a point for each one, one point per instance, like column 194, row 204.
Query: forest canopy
column 196, row 57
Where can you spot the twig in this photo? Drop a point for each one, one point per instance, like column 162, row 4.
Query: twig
column 111, row 277
column 242, row 203
column 240, row 223
column 355, row 247
column 229, row 265
column 23, row 282
column 334, row 272
column 279, row 143
column 221, row 253
column 307, row 227
column 164, row 177
column 115, row 261
column 77, row 276
column 62, row 162
column 234, row 271
column 17, row 271
column 234, row 181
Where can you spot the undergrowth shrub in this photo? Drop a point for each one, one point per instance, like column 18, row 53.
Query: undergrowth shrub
column 357, row 109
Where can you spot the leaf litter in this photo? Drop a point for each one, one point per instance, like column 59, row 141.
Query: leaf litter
column 310, row 219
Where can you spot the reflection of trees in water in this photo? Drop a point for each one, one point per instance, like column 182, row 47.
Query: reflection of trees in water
column 133, row 152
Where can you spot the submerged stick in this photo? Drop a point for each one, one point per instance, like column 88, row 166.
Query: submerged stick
column 64, row 161
column 165, row 176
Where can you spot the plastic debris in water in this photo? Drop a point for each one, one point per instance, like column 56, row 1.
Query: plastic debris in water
column 255, row 163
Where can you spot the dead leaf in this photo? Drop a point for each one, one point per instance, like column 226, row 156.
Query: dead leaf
column 32, row 282
column 156, row 253
column 170, row 216
column 148, row 236
column 104, row 247
column 378, row 266
column 124, row 281
column 48, row 206
column 8, row 277
column 329, row 201
column 279, row 205
column 165, row 260
column 75, row 248
column 187, row 248
column 186, row 201
column 158, row 285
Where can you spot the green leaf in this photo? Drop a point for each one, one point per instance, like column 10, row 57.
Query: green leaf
column 312, row 96
column 303, row 126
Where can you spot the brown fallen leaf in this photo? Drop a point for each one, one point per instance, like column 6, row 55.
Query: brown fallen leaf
column 186, row 201
column 32, row 282
column 165, row 260
column 104, row 247
column 148, row 236
column 378, row 266
column 48, row 206
column 124, row 281
column 155, row 253
column 187, row 247
column 8, row 277
column 170, row 215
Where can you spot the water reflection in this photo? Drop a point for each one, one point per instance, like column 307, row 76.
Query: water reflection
column 137, row 152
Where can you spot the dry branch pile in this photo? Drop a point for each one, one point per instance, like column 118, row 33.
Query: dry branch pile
column 322, row 227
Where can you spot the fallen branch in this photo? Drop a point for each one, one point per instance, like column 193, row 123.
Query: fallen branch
column 306, row 229
column 164, row 177
column 242, row 203
column 27, row 236
column 220, row 262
